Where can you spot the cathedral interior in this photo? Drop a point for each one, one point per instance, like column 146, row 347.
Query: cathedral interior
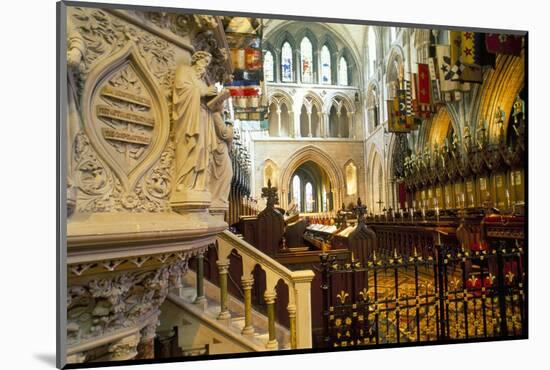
column 238, row 185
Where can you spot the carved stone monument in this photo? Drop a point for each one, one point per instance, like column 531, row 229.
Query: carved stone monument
column 138, row 196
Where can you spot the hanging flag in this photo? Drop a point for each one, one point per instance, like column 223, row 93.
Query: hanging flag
column 395, row 124
column 402, row 103
column 473, row 56
column 405, row 112
column 423, row 85
column 467, row 47
column 500, row 43
column 471, row 73
column 434, row 78
column 481, row 56
column 414, row 89
column 455, row 42
column 444, row 65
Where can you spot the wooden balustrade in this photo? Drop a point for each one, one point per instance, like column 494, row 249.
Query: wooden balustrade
column 298, row 306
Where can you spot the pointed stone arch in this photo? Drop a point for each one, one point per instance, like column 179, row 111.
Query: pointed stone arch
column 351, row 177
column 394, row 69
column 500, row 89
column 372, row 101
column 270, row 171
column 321, row 158
column 311, row 115
column 344, row 108
column 283, row 114
column 376, row 190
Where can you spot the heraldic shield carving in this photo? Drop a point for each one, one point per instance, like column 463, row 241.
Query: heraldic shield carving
column 125, row 115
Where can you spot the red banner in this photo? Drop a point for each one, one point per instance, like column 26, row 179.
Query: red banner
column 500, row 43
column 423, row 84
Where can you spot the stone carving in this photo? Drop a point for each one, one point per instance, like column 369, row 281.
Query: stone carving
column 94, row 181
column 102, row 34
column 109, row 303
column 180, row 24
column 125, row 119
column 193, row 131
column 217, row 70
column 221, row 170
column 124, row 349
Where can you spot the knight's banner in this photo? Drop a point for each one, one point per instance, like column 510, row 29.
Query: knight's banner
column 474, row 50
column 500, row 43
column 395, row 122
column 444, row 65
column 423, row 84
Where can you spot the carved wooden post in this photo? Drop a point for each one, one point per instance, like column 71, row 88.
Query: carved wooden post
column 223, row 269
column 302, row 299
column 247, row 282
column 200, row 299
column 292, row 325
column 269, row 297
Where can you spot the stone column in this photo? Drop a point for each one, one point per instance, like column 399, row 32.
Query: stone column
column 200, row 299
column 326, row 125
column 296, row 122
column 124, row 349
column 269, row 297
column 309, row 123
column 247, row 282
column 292, row 328
column 351, row 126
column 223, row 269
column 279, row 120
column 146, row 346
column 339, row 114
column 319, row 123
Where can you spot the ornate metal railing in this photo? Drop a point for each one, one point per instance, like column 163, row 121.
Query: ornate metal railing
column 451, row 295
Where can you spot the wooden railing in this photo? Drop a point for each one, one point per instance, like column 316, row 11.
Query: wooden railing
column 298, row 282
column 298, row 308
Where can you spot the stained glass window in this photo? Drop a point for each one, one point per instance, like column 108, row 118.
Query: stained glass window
column 309, row 197
column 296, row 198
column 286, row 63
column 343, row 72
column 306, row 52
column 325, row 65
column 268, row 66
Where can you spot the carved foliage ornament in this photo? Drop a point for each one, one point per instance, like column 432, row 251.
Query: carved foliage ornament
column 104, row 34
column 126, row 123
column 106, row 304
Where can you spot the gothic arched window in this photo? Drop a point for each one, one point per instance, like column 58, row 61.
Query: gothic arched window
column 296, row 196
column 343, row 72
column 268, row 67
column 286, row 63
column 372, row 50
column 306, row 52
column 325, row 65
column 309, row 197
